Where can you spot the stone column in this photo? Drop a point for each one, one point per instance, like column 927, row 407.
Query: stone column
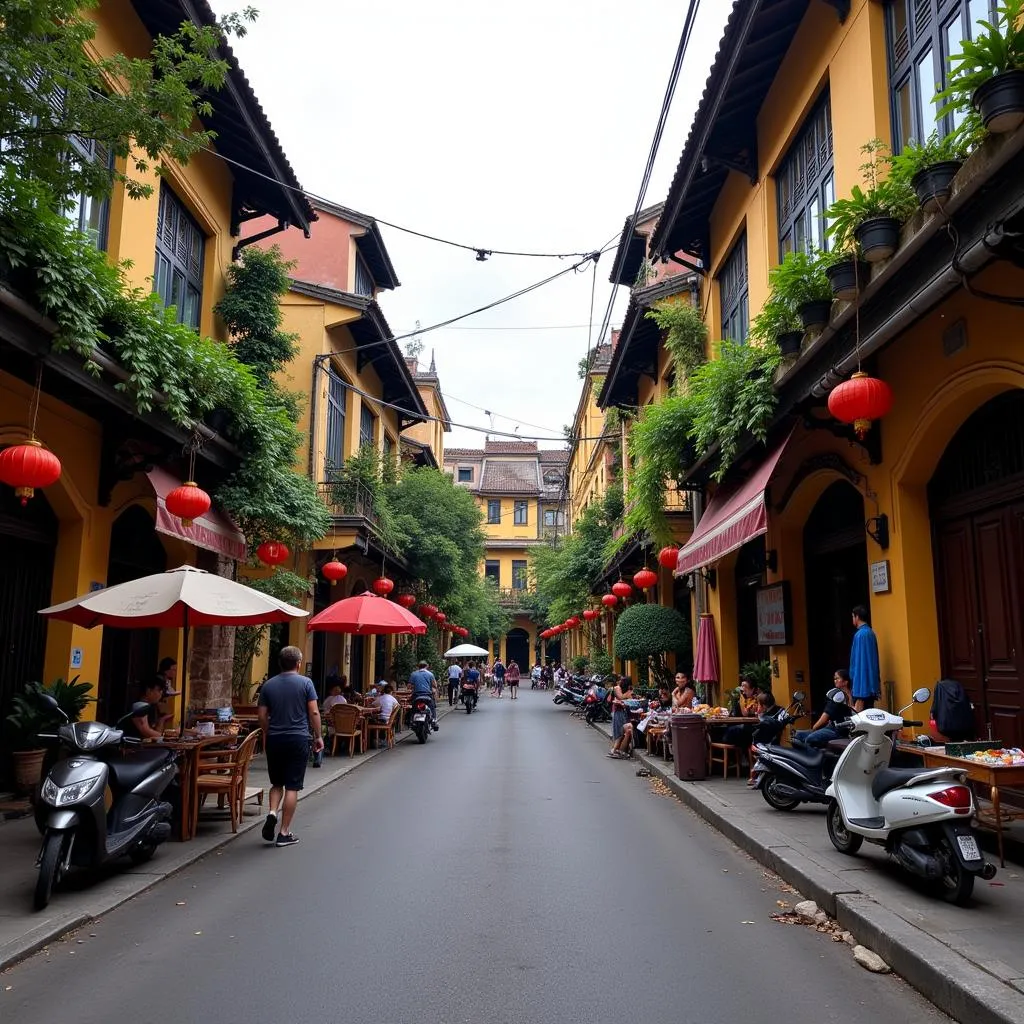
column 211, row 648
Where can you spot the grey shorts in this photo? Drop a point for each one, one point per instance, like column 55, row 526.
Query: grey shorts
column 619, row 720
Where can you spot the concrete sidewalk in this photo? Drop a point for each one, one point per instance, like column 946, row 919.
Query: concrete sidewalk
column 87, row 895
column 969, row 961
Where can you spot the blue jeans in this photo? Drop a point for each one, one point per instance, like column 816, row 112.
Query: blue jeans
column 815, row 738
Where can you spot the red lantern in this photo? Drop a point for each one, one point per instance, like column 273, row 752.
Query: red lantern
column 272, row 552
column 645, row 578
column 187, row 502
column 334, row 571
column 440, row 616
column 27, row 466
column 668, row 557
column 428, row 610
column 572, row 622
column 622, row 589
column 545, row 633
column 406, row 600
column 609, row 600
column 590, row 614
column 383, row 586
column 860, row 400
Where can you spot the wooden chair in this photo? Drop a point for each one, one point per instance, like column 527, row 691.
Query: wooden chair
column 348, row 725
column 225, row 773
column 657, row 736
column 387, row 728
column 722, row 753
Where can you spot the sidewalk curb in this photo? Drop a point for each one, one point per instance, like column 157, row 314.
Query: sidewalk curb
column 956, row 986
column 34, row 939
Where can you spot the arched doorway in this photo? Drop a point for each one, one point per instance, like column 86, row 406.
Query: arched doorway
column 976, row 505
column 28, row 543
column 836, row 573
column 129, row 655
column 517, row 648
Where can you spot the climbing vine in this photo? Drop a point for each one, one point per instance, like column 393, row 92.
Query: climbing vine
column 685, row 337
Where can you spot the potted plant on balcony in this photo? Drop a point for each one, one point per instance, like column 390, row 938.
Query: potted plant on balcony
column 846, row 271
column 931, row 166
column 801, row 279
column 779, row 322
column 870, row 219
column 988, row 72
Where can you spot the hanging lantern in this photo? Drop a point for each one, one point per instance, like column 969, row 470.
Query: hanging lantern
column 622, row 589
column 27, row 466
column 668, row 557
column 645, row 579
column 188, row 502
column 334, row 571
column 428, row 610
column 590, row 614
column 272, row 552
column 545, row 633
column 572, row 622
column 383, row 586
column 440, row 617
column 860, row 400
column 406, row 600
column 609, row 600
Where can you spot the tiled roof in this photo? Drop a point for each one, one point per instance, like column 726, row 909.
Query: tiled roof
column 510, row 447
column 505, row 477
column 554, row 455
column 463, row 453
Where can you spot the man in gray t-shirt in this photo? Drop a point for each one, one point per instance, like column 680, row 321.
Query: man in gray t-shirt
column 288, row 712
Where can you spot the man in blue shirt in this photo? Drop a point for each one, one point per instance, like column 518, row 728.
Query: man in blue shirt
column 865, row 675
column 425, row 685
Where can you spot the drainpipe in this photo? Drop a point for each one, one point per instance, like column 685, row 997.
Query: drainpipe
column 318, row 361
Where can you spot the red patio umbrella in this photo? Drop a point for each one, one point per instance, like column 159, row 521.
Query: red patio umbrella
column 366, row 614
column 705, row 666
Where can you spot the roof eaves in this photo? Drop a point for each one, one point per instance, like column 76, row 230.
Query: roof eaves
column 329, row 294
column 632, row 246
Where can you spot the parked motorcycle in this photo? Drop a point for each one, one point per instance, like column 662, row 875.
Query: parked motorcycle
column 921, row 816
column 72, row 813
column 596, row 704
column 570, row 692
column 468, row 695
column 422, row 719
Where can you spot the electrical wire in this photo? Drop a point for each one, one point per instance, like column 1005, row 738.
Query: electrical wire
column 490, row 412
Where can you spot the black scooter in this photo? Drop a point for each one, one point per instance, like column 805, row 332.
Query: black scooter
column 72, row 811
column 468, row 695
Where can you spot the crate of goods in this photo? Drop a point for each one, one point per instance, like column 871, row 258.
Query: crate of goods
column 963, row 749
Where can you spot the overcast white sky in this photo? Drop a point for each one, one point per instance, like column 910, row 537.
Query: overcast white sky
column 519, row 126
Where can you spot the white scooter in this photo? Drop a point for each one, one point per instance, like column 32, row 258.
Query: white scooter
column 921, row 816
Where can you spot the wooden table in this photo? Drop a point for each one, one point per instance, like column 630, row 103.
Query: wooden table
column 990, row 775
column 188, row 749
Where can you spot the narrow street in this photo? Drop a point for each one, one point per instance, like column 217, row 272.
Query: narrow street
column 505, row 872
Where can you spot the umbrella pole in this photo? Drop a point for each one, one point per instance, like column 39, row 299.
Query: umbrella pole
column 184, row 674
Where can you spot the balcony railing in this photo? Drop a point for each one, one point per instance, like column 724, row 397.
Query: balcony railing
column 346, row 499
column 515, row 597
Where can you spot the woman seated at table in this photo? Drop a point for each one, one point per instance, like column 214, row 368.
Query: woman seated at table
column 386, row 701
column 149, row 724
column 746, row 706
column 684, row 695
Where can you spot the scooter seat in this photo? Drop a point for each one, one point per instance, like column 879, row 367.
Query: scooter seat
column 806, row 758
column 889, row 779
column 135, row 766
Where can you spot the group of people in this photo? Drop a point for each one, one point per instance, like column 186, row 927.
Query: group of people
column 457, row 671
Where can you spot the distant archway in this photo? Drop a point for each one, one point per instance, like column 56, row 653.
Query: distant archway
column 517, row 648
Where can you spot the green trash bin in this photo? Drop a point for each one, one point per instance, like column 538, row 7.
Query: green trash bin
column 688, row 747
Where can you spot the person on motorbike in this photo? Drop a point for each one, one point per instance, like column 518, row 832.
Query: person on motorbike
column 824, row 729
column 424, row 686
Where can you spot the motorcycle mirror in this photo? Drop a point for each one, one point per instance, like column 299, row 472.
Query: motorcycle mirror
column 51, row 702
column 921, row 695
column 799, row 696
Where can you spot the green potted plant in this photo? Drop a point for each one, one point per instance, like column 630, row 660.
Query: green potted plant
column 779, row 322
column 871, row 219
column 30, row 716
column 931, row 166
column 846, row 271
column 988, row 72
column 801, row 279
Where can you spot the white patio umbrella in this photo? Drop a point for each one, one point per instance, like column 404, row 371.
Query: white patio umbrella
column 466, row 651
column 177, row 599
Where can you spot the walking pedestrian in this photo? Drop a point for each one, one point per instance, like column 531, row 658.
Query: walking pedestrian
column 512, row 675
column 499, row 677
column 865, row 675
column 454, row 678
column 288, row 712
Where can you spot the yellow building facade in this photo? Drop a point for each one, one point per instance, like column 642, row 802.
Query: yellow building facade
column 520, row 492
column 919, row 520
column 103, row 521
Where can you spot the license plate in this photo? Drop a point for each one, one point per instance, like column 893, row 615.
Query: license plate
column 969, row 847
column 419, row 718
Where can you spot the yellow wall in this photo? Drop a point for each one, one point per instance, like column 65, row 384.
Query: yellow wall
column 506, row 529
column 430, row 432
column 506, row 556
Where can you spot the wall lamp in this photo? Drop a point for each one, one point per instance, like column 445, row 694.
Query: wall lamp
column 877, row 528
column 709, row 576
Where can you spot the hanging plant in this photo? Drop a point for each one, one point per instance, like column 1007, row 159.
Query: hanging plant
column 686, row 336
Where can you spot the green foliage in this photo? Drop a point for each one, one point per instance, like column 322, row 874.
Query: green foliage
column 777, row 316
column 580, row 663
column 565, row 569
column 404, row 663
column 645, row 633
column 936, row 149
column 887, row 195
column 999, row 48
column 759, row 673
column 601, row 662
column 30, row 716
column 53, row 90
column 800, row 278
column 733, row 396
column 583, row 366
column 686, row 336
column 285, row 586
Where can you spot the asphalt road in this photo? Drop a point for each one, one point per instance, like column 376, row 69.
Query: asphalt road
column 505, row 873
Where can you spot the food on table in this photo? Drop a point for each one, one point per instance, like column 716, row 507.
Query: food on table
column 997, row 757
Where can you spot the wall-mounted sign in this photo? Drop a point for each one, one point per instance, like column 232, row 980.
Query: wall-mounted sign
column 880, row 582
column 76, row 657
column 774, row 620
